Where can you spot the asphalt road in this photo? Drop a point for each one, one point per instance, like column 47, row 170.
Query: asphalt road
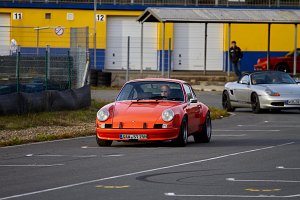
column 250, row 156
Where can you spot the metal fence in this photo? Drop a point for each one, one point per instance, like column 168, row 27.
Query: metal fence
column 34, row 60
column 247, row 3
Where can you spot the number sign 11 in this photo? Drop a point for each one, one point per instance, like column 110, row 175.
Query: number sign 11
column 17, row 16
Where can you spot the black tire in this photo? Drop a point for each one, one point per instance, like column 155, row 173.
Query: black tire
column 255, row 104
column 103, row 143
column 182, row 139
column 283, row 67
column 226, row 102
column 205, row 135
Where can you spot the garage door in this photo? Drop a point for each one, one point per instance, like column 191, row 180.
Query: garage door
column 4, row 34
column 118, row 30
column 189, row 47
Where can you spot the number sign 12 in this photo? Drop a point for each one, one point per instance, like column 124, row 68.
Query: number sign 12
column 17, row 16
column 100, row 17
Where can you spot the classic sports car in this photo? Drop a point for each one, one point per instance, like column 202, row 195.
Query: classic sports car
column 262, row 90
column 154, row 109
column 284, row 64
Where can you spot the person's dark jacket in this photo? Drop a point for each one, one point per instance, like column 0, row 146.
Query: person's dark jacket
column 235, row 54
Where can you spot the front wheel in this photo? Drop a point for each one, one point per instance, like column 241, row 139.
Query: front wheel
column 255, row 104
column 103, row 143
column 205, row 135
column 182, row 139
column 226, row 102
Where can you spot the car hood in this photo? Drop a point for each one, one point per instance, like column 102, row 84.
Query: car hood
column 262, row 60
column 284, row 89
column 133, row 114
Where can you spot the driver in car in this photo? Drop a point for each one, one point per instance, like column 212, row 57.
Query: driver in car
column 165, row 91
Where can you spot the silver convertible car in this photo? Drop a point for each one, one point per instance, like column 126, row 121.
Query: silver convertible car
column 272, row 90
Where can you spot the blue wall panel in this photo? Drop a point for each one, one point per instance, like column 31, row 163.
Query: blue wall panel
column 100, row 55
column 166, row 58
column 250, row 59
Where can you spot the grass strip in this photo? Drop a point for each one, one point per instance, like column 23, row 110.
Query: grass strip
column 47, row 126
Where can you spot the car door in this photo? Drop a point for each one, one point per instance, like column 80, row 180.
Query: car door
column 192, row 109
column 242, row 90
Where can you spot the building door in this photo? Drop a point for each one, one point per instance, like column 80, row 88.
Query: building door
column 118, row 30
column 4, row 34
column 189, row 46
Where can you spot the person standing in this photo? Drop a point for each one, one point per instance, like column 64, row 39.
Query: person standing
column 235, row 57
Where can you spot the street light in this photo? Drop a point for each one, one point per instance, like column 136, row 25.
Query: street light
column 38, row 37
column 95, row 30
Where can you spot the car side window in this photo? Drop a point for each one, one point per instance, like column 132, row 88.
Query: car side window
column 188, row 91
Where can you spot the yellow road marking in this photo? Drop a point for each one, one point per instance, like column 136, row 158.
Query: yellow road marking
column 112, row 186
column 262, row 190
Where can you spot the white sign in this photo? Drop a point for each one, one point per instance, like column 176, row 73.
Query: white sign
column 59, row 30
column 100, row 17
column 17, row 16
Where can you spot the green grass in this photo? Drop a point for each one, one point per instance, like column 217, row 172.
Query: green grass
column 61, row 118
column 216, row 113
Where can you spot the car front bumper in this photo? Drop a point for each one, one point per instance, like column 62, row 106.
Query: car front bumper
column 269, row 102
column 162, row 134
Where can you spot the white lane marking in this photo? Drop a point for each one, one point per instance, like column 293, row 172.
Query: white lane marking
column 240, row 135
column 226, row 130
column 32, row 165
column 36, row 143
column 144, row 171
column 282, row 167
column 54, row 155
column 240, row 125
column 87, row 147
column 230, row 196
column 276, row 181
column 113, row 155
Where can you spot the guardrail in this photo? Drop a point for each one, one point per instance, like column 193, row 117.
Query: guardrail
column 247, row 3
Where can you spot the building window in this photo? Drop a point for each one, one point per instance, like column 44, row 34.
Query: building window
column 47, row 15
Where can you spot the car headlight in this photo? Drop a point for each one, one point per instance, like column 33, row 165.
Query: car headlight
column 167, row 115
column 103, row 114
column 272, row 93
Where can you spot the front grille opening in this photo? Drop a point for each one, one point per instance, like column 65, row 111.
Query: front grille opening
column 108, row 125
column 158, row 126
column 277, row 104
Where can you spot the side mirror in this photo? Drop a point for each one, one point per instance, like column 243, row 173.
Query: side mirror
column 194, row 100
column 297, row 81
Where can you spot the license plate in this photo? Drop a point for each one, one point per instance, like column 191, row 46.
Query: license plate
column 133, row 137
column 294, row 102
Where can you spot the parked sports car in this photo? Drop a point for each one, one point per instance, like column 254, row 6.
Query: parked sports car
column 262, row 90
column 285, row 64
column 154, row 109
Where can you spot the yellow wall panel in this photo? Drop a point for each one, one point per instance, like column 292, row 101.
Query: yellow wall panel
column 168, row 34
column 254, row 37
column 26, row 34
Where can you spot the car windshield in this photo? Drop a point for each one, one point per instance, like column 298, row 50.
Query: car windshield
column 271, row 78
column 151, row 90
column 291, row 53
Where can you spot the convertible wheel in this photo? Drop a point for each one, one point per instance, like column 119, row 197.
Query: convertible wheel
column 103, row 143
column 226, row 102
column 182, row 139
column 255, row 103
column 205, row 135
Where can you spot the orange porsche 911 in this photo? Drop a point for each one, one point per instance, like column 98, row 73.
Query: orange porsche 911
column 154, row 109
